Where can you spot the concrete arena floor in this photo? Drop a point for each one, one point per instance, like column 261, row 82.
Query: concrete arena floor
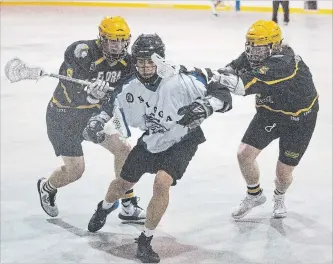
column 197, row 227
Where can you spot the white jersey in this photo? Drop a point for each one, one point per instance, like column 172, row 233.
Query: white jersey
column 156, row 111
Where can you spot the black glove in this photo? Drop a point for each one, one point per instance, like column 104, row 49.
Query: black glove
column 195, row 113
column 94, row 130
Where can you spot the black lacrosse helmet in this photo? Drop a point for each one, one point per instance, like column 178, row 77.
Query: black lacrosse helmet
column 145, row 46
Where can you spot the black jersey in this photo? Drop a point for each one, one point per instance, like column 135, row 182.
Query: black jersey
column 283, row 85
column 84, row 60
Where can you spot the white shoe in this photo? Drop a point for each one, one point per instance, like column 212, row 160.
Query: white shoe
column 279, row 210
column 131, row 211
column 247, row 204
column 47, row 200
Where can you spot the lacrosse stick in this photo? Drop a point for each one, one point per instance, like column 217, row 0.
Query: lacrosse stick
column 117, row 124
column 16, row 70
column 164, row 69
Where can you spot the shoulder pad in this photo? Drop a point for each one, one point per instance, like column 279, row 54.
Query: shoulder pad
column 287, row 50
column 279, row 61
column 277, row 66
column 240, row 64
column 79, row 49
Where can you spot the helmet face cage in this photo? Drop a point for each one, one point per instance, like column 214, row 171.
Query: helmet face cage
column 145, row 67
column 263, row 39
column 142, row 49
column 113, row 50
column 257, row 54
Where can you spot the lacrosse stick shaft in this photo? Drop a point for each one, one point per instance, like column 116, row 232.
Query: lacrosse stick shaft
column 70, row 79
column 62, row 77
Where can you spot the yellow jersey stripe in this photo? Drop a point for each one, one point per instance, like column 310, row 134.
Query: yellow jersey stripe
column 65, row 92
column 100, row 60
column 56, row 102
column 290, row 113
column 123, row 62
column 255, row 79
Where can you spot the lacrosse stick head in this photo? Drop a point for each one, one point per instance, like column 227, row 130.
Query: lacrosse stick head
column 16, row 70
column 118, row 124
column 164, row 69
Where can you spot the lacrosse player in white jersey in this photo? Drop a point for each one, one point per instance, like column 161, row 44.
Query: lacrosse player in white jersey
column 169, row 110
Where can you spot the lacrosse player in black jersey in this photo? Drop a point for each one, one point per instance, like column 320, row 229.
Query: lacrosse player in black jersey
column 287, row 106
column 104, row 62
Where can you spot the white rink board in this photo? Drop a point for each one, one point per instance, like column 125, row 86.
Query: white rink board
column 197, row 227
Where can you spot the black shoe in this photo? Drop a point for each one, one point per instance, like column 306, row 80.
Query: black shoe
column 98, row 219
column 145, row 252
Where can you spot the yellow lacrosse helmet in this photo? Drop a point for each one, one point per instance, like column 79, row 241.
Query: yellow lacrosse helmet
column 114, row 38
column 114, row 28
column 263, row 39
column 264, row 32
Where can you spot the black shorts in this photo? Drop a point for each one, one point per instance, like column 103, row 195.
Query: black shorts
column 65, row 127
column 294, row 136
column 173, row 161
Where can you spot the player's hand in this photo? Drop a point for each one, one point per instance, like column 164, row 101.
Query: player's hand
column 195, row 113
column 97, row 90
column 230, row 80
column 94, row 131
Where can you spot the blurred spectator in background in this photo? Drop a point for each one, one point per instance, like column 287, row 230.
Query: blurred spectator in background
column 215, row 3
column 285, row 6
column 311, row 5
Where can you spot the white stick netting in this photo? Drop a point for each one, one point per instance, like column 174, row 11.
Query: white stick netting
column 117, row 125
column 164, row 69
column 16, row 70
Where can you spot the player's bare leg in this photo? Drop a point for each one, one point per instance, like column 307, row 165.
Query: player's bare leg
column 120, row 148
column 249, row 167
column 283, row 180
column 247, row 163
column 130, row 210
column 156, row 209
column 160, row 200
column 71, row 171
